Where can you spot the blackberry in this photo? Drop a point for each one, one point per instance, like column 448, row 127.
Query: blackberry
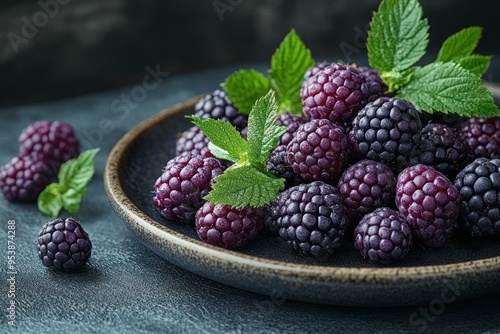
column 312, row 72
column 383, row 236
column 277, row 164
column 217, row 105
column 55, row 142
column 443, row 149
column 386, row 130
column 366, row 186
column 373, row 86
column 430, row 203
column 319, row 150
column 483, row 136
column 226, row 226
column 186, row 179
column 63, row 244
column 479, row 187
column 292, row 123
column 193, row 142
column 334, row 93
column 311, row 218
column 451, row 120
column 24, row 178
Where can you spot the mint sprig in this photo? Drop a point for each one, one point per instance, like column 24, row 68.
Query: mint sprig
column 247, row 182
column 73, row 176
column 288, row 65
column 398, row 38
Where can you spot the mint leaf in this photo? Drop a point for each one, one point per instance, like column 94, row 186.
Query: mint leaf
column 460, row 44
column 76, row 173
column 228, row 141
column 447, row 87
column 50, row 200
column 263, row 133
column 244, row 87
column 476, row 64
column 398, row 37
column 242, row 186
column 288, row 65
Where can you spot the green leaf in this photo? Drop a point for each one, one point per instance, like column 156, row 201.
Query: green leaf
column 263, row 133
column 50, row 200
column 460, row 44
column 242, row 186
column 476, row 64
column 447, row 87
column 71, row 200
column 244, row 87
column 288, row 65
column 76, row 173
column 223, row 135
column 220, row 153
column 398, row 37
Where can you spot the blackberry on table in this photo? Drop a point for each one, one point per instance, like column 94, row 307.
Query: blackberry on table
column 217, row 105
column 193, row 142
column 63, row 244
column 483, row 136
column 479, row 187
column 430, row 203
column 311, row 218
column 386, row 130
column 383, row 236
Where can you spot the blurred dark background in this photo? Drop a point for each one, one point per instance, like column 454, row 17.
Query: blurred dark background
column 58, row 48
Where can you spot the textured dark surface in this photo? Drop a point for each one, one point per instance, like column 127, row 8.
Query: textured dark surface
column 125, row 288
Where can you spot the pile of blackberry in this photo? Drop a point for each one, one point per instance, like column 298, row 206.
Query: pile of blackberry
column 361, row 167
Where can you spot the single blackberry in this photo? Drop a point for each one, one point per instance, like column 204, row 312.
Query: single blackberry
column 443, row 149
column 430, row 203
column 313, row 71
column 186, row 179
column 277, row 164
column 292, row 123
column 63, row 244
column 334, row 93
column 311, row 218
column 479, row 187
column 24, row 178
column 373, row 86
column 193, row 142
column 319, row 150
column 55, row 142
column 386, row 130
column 483, row 136
column 383, row 236
column 217, row 105
column 366, row 186
column 226, row 226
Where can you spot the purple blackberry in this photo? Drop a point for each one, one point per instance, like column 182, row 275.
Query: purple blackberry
column 319, row 150
column 373, row 86
column 186, row 179
column 217, row 105
column 226, row 226
column 430, row 203
column 53, row 141
column 334, row 93
column 483, row 136
column 443, row 149
column 193, row 142
column 366, row 186
column 277, row 164
column 292, row 123
column 313, row 71
column 386, row 130
column 24, row 178
column 63, row 244
column 479, row 187
column 311, row 218
column 383, row 236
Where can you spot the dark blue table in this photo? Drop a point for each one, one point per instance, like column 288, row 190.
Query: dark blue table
column 125, row 288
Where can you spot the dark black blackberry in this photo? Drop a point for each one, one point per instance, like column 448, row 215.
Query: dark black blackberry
column 451, row 120
column 373, row 86
column 311, row 218
column 218, row 106
column 386, row 130
column 292, row 123
column 277, row 164
column 443, row 149
column 479, row 187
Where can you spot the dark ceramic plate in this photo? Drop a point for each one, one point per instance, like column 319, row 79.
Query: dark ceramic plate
column 465, row 269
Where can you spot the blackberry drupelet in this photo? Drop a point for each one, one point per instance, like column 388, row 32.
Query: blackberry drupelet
column 193, row 142
column 430, row 203
column 383, row 236
column 311, row 218
column 483, row 136
column 479, row 187
column 386, row 130
column 217, row 105
column 63, row 244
